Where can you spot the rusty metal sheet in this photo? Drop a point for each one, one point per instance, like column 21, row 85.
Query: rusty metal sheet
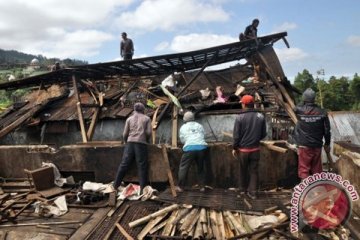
column 345, row 126
column 125, row 112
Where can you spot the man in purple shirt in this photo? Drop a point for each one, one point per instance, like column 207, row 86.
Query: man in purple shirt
column 137, row 134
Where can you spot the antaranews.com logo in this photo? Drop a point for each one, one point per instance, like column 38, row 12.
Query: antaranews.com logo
column 322, row 201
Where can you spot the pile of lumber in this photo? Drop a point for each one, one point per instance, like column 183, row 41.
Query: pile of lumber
column 184, row 221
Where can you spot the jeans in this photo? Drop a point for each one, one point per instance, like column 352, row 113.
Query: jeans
column 128, row 56
column 249, row 164
column 138, row 152
column 202, row 160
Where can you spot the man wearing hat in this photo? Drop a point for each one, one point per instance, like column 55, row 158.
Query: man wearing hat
column 249, row 129
column 195, row 149
column 137, row 134
column 126, row 47
column 312, row 127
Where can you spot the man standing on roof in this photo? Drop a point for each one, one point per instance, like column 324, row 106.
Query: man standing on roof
column 313, row 125
column 56, row 66
column 126, row 47
column 137, row 134
column 249, row 129
column 195, row 149
column 250, row 31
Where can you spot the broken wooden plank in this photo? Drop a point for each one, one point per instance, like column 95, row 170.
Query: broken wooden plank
column 91, row 130
column 108, row 234
column 271, row 146
column 124, row 232
column 174, row 131
column 79, row 110
column 265, row 229
column 90, row 226
column 153, row 215
column 150, row 226
column 35, row 224
column 168, row 170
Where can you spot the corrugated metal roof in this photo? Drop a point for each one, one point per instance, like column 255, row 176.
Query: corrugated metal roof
column 164, row 64
column 345, row 126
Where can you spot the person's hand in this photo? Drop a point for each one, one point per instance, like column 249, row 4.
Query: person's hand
column 234, row 153
column 327, row 148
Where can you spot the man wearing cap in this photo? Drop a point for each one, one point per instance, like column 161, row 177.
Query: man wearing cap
column 126, row 47
column 312, row 127
column 249, row 129
column 137, row 134
column 195, row 149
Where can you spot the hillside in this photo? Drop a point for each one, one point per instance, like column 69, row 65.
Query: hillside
column 12, row 58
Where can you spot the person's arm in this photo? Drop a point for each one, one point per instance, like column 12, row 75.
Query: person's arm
column 126, row 130
column 182, row 134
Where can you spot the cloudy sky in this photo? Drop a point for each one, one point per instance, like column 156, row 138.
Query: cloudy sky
column 322, row 34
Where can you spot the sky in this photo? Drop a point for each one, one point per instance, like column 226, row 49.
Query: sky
column 322, row 34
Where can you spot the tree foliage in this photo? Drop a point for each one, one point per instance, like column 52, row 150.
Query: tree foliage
column 335, row 94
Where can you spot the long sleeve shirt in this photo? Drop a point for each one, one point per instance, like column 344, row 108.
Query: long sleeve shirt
column 192, row 135
column 249, row 129
column 137, row 128
column 313, row 126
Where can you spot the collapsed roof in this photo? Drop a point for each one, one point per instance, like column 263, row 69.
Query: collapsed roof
column 158, row 65
column 108, row 90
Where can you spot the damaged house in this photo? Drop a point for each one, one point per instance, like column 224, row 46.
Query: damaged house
column 74, row 118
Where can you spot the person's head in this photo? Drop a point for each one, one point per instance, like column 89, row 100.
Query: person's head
column 139, row 107
column 124, row 35
column 57, row 63
column 255, row 22
column 188, row 116
column 247, row 101
column 309, row 96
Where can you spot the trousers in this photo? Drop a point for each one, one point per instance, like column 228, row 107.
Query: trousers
column 138, row 152
column 248, row 164
column 309, row 161
column 202, row 160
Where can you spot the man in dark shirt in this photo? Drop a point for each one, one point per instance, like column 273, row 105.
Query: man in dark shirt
column 249, row 129
column 137, row 133
column 313, row 125
column 126, row 47
column 250, row 31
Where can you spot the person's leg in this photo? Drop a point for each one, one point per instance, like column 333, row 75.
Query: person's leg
column 244, row 176
column 304, row 162
column 316, row 164
column 185, row 162
column 128, row 156
column 208, row 167
column 200, row 161
column 141, row 156
column 254, row 158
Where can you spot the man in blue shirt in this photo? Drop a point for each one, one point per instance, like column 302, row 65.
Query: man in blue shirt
column 195, row 149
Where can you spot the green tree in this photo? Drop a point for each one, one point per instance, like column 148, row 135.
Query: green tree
column 303, row 81
column 355, row 90
column 337, row 95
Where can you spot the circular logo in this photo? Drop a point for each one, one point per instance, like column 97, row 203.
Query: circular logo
column 325, row 205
